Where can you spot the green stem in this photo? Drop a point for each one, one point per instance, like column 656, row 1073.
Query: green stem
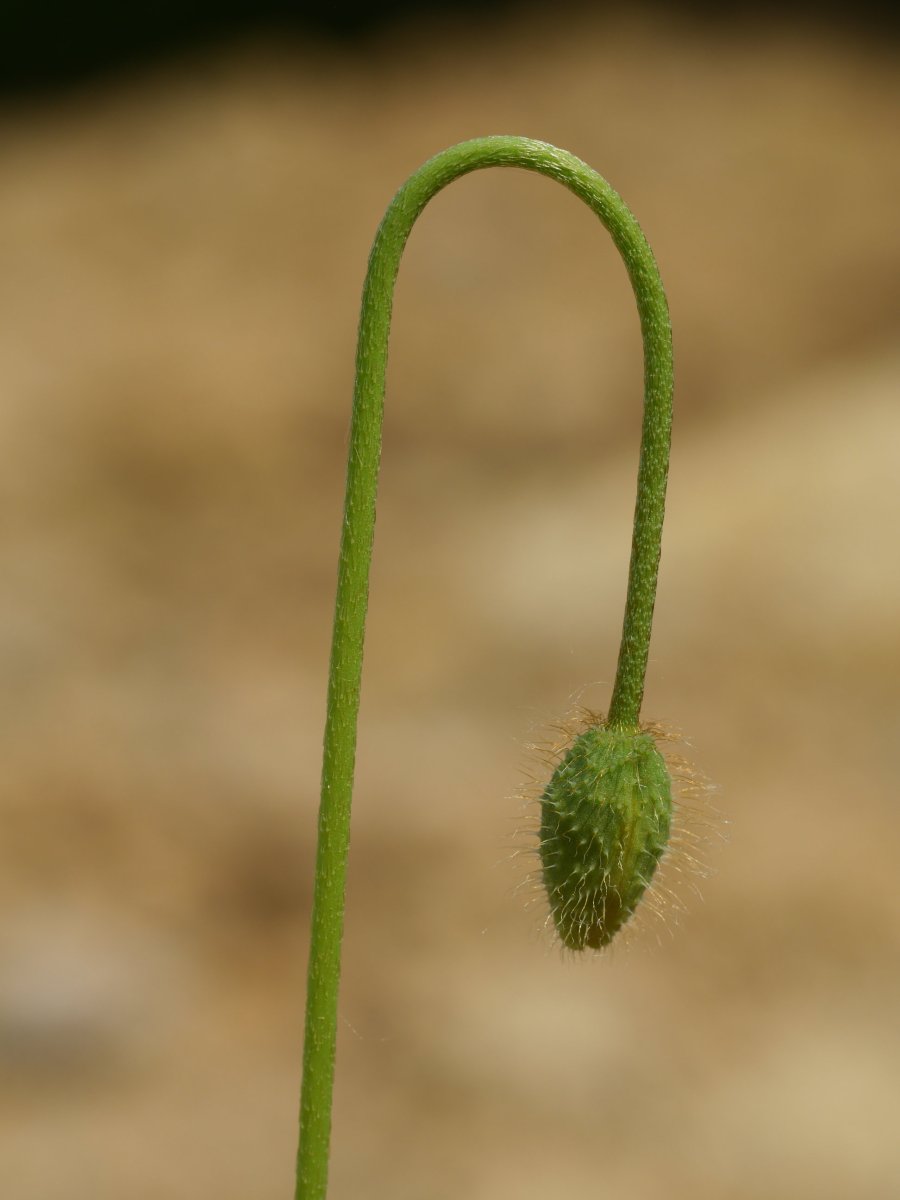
column 356, row 552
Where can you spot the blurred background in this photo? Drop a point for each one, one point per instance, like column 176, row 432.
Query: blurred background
column 187, row 198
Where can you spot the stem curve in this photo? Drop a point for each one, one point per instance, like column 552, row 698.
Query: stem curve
column 356, row 550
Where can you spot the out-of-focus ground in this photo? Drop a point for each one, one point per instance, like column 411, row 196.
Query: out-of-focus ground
column 180, row 263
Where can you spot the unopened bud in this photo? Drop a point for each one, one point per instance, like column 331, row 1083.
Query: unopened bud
column 605, row 819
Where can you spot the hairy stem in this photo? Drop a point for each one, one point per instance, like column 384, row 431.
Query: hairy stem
column 356, row 551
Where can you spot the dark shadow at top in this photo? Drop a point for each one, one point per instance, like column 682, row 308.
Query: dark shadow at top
column 56, row 45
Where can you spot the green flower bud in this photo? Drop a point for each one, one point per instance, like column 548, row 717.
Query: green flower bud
column 605, row 818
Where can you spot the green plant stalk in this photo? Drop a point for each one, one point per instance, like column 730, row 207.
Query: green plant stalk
column 356, row 552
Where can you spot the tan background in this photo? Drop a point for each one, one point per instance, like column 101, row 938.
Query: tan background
column 181, row 254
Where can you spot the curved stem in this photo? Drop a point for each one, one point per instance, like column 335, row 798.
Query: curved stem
column 356, row 551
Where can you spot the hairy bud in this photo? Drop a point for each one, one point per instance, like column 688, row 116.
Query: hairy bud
column 605, row 819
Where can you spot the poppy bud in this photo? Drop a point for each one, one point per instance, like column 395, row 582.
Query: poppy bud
column 605, row 820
